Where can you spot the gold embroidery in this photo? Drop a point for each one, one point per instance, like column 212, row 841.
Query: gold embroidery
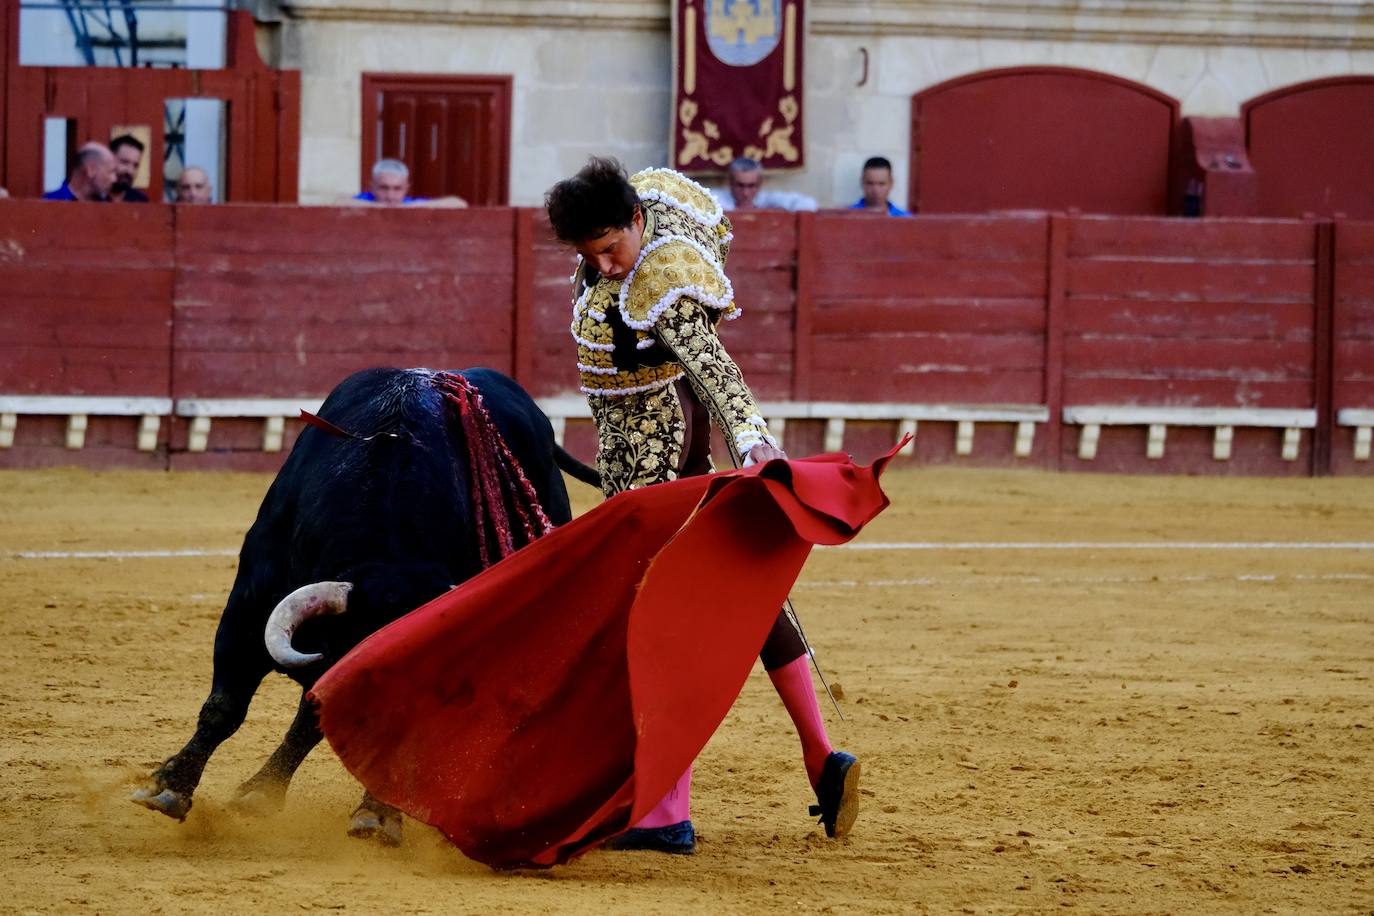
column 639, row 439
column 686, row 329
column 671, row 268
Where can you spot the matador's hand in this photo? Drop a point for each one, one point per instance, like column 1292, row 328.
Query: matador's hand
column 763, row 452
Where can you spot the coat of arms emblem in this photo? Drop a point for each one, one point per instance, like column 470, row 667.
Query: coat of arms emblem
column 742, row 32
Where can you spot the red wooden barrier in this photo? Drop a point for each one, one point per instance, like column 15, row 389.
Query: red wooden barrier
column 1353, row 353
column 276, row 302
column 87, row 308
column 1196, row 313
column 1309, row 144
column 273, row 302
column 955, row 306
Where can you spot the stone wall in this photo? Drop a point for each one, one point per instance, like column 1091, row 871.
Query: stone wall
column 594, row 76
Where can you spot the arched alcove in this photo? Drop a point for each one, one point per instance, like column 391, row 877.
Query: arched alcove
column 1312, row 147
column 1045, row 138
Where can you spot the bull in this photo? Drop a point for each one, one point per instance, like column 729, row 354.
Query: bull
column 370, row 517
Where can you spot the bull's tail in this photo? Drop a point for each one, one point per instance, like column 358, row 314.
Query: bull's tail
column 575, row 468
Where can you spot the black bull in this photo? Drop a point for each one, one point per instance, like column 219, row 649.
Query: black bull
column 385, row 508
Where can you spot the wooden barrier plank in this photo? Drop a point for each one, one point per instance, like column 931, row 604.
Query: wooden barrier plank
column 37, row 324
column 762, row 331
column 41, row 232
column 321, row 232
column 420, row 297
column 762, row 231
column 855, row 237
column 306, row 337
column 1355, row 358
column 971, row 387
column 85, row 370
column 209, row 374
column 1356, row 280
column 1355, row 242
column 89, row 284
column 86, row 297
column 1155, row 318
column 931, row 352
column 1189, row 280
column 867, row 279
column 1215, row 357
column 1202, row 240
column 991, row 316
column 1118, row 387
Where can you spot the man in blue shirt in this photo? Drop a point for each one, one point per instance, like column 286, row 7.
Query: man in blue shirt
column 877, row 185
column 391, row 188
column 91, row 177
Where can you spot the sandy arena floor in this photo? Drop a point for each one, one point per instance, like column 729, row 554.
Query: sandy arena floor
column 1141, row 730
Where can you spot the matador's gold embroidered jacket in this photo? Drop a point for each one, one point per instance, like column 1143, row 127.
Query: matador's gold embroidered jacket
column 637, row 337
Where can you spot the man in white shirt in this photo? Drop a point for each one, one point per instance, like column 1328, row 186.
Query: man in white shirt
column 745, row 190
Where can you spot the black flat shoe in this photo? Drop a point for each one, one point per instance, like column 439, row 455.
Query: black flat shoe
column 679, row 839
column 837, row 794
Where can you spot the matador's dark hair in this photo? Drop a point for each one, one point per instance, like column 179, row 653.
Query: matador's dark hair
column 594, row 200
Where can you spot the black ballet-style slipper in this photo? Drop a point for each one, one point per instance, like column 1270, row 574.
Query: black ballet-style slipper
column 679, row 838
column 837, row 794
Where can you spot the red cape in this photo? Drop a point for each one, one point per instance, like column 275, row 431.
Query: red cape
column 551, row 701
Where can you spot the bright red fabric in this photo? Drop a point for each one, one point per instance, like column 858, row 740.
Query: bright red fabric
column 553, row 700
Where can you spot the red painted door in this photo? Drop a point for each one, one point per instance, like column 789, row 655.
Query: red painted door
column 453, row 133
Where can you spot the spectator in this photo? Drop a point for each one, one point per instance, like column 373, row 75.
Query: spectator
column 92, row 175
column 193, row 186
column 391, row 187
column 877, row 185
column 128, row 153
column 745, row 191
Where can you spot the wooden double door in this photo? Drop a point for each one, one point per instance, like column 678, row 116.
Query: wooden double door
column 452, row 132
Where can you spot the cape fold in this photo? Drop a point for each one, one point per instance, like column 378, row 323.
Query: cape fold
column 551, row 701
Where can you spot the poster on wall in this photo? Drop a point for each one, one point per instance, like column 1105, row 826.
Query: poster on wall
column 737, row 83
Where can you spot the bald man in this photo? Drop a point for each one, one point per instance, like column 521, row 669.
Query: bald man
column 91, row 177
column 193, row 187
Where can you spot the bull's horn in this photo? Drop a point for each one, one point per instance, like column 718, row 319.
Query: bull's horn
column 295, row 609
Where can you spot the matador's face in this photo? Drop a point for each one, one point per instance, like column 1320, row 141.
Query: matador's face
column 614, row 252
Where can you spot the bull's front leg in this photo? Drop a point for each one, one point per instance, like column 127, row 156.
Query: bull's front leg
column 265, row 792
column 171, row 785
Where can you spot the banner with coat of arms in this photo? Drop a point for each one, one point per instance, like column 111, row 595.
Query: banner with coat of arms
column 737, row 83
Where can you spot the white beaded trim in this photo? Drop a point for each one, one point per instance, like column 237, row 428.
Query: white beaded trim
column 580, row 303
column 709, row 220
column 637, row 389
column 677, row 292
column 591, row 345
column 645, row 344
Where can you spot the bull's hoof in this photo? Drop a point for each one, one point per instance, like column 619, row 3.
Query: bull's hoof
column 170, row 802
column 385, row 827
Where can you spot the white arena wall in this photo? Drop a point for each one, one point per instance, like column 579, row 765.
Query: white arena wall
column 594, row 77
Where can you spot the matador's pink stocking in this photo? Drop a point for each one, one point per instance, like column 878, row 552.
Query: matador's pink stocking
column 793, row 683
column 673, row 808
